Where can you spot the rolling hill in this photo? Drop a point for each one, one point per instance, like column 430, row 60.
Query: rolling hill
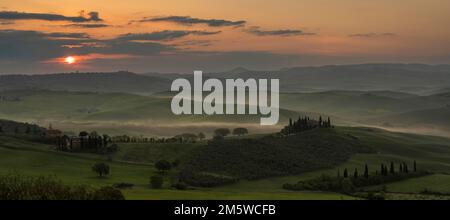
column 133, row 165
column 409, row 78
column 429, row 119
column 87, row 82
column 151, row 115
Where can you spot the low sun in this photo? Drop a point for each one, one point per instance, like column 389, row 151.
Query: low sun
column 70, row 60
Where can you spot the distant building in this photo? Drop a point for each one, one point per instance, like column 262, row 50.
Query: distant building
column 50, row 132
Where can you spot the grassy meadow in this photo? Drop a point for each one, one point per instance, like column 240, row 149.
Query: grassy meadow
column 134, row 164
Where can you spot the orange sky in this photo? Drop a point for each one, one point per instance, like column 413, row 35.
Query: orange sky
column 418, row 29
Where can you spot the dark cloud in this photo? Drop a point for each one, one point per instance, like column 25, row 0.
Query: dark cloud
column 186, row 20
column 14, row 15
column 165, row 35
column 371, row 35
column 284, row 32
column 29, row 46
column 87, row 25
column 189, row 44
column 33, row 45
column 67, row 35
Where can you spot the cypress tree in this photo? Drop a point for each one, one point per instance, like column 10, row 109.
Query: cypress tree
column 392, row 171
column 345, row 173
column 415, row 166
column 366, row 172
column 401, row 168
column 405, row 168
column 355, row 174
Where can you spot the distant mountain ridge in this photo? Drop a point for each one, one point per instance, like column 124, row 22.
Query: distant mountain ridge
column 87, row 82
column 418, row 79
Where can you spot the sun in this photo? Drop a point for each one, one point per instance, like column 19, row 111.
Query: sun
column 70, row 60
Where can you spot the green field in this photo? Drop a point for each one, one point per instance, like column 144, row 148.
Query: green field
column 133, row 164
column 118, row 113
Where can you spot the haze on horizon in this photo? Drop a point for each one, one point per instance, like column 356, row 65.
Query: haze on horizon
column 173, row 36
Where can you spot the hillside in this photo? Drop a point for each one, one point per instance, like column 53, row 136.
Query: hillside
column 233, row 159
column 409, row 78
column 10, row 127
column 87, row 82
column 431, row 153
column 428, row 119
column 113, row 112
column 151, row 115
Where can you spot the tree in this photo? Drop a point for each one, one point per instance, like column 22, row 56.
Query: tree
column 187, row 137
column 222, row 132
column 401, row 168
column 345, row 173
column 405, row 167
column 163, row 165
column 102, row 169
column 28, row 130
column 415, row 166
column 201, row 136
column 366, row 172
column 1, row 129
column 355, row 174
column 16, row 130
column 156, row 182
column 240, row 131
column 392, row 171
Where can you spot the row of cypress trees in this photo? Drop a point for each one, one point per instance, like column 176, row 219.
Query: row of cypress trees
column 384, row 170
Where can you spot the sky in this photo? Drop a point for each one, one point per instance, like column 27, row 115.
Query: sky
column 37, row 36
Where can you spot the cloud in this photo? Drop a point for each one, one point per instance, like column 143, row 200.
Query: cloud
column 34, row 45
column 198, row 43
column 372, row 35
column 30, row 46
column 67, row 35
column 186, row 20
column 14, row 15
column 6, row 22
column 165, row 35
column 283, row 32
column 87, row 25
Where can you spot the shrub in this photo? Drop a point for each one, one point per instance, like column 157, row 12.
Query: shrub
column 222, row 132
column 17, row 187
column 156, row 182
column 240, row 131
column 180, row 186
column 163, row 165
column 108, row 193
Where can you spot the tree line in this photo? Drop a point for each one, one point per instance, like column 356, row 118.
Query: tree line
column 304, row 124
column 348, row 182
